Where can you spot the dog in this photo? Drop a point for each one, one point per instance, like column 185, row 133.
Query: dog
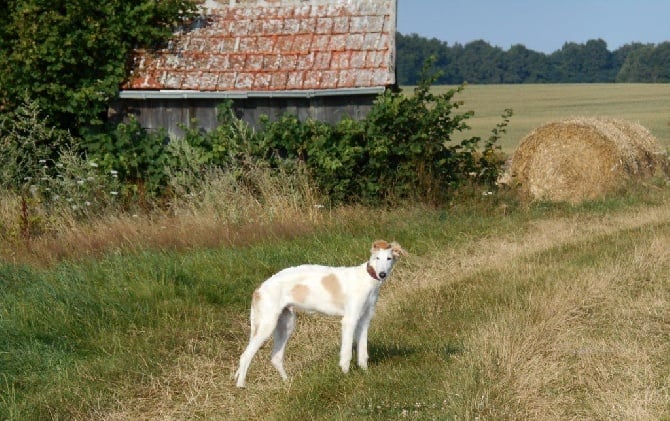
column 349, row 292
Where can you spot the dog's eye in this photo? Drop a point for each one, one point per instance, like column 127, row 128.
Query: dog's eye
column 388, row 258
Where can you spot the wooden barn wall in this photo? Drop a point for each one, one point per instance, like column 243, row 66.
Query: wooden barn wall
column 170, row 114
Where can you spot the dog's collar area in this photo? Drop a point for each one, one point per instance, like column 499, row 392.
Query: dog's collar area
column 372, row 273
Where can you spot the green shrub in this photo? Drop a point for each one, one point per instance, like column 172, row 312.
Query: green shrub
column 27, row 144
column 138, row 157
column 405, row 149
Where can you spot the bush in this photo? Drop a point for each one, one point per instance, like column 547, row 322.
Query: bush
column 138, row 157
column 404, row 150
column 27, row 143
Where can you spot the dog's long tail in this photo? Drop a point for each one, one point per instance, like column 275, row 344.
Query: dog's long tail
column 253, row 315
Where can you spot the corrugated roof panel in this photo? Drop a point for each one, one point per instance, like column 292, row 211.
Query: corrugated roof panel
column 276, row 45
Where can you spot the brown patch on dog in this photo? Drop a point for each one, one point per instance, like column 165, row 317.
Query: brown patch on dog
column 332, row 285
column 380, row 245
column 300, row 293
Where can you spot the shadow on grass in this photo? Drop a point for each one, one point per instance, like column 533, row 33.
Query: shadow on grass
column 381, row 353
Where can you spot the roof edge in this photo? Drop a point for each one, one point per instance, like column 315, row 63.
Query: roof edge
column 193, row 94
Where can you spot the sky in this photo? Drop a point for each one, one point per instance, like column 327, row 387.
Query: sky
column 540, row 25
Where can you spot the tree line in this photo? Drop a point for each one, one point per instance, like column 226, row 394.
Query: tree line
column 480, row 62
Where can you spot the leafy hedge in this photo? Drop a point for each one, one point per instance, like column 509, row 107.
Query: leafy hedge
column 405, row 149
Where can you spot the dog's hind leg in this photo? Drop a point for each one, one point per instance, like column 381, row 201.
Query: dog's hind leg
column 282, row 333
column 263, row 324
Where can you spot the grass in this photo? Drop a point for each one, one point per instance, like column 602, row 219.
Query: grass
column 535, row 105
column 502, row 311
column 552, row 312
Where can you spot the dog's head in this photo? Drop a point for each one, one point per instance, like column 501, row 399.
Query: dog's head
column 383, row 256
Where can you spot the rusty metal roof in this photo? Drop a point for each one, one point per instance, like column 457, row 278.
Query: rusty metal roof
column 280, row 47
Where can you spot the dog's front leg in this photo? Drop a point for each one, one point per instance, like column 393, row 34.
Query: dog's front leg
column 362, row 341
column 348, row 328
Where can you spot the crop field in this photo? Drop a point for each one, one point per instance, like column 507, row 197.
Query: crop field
column 535, row 105
column 502, row 310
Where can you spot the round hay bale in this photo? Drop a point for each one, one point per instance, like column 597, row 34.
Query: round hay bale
column 583, row 158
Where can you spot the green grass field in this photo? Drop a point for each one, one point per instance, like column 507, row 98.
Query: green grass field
column 551, row 312
column 535, row 105
column 501, row 311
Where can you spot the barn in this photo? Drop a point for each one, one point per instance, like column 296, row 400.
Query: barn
column 318, row 59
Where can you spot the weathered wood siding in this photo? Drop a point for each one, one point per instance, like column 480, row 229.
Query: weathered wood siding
column 173, row 114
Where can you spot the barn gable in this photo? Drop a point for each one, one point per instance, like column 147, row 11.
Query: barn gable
column 314, row 58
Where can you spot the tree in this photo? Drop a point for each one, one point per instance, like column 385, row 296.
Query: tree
column 70, row 56
column 415, row 51
column 524, row 66
column 481, row 63
column 647, row 63
column 635, row 68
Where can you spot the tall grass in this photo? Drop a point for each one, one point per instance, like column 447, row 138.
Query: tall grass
column 218, row 208
column 548, row 313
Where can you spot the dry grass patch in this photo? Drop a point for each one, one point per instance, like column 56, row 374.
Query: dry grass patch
column 221, row 209
column 591, row 343
column 555, row 339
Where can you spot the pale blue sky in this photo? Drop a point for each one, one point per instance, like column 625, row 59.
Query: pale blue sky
column 540, row 25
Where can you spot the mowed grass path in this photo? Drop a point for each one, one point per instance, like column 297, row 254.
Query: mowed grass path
column 558, row 317
column 550, row 312
column 535, row 105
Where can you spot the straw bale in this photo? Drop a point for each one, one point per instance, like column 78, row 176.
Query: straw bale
column 583, row 158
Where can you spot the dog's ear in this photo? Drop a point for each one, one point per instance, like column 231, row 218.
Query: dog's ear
column 398, row 250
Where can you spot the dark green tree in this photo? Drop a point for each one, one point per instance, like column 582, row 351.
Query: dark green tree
column 522, row 65
column 481, row 63
column 415, row 51
column 70, row 56
column 583, row 63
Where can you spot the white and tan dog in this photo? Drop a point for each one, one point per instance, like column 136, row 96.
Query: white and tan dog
column 349, row 292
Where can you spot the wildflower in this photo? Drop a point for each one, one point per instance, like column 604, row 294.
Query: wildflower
column 80, row 182
column 59, row 165
column 93, row 164
column 87, row 203
column 42, row 161
column 113, row 193
column 114, row 172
